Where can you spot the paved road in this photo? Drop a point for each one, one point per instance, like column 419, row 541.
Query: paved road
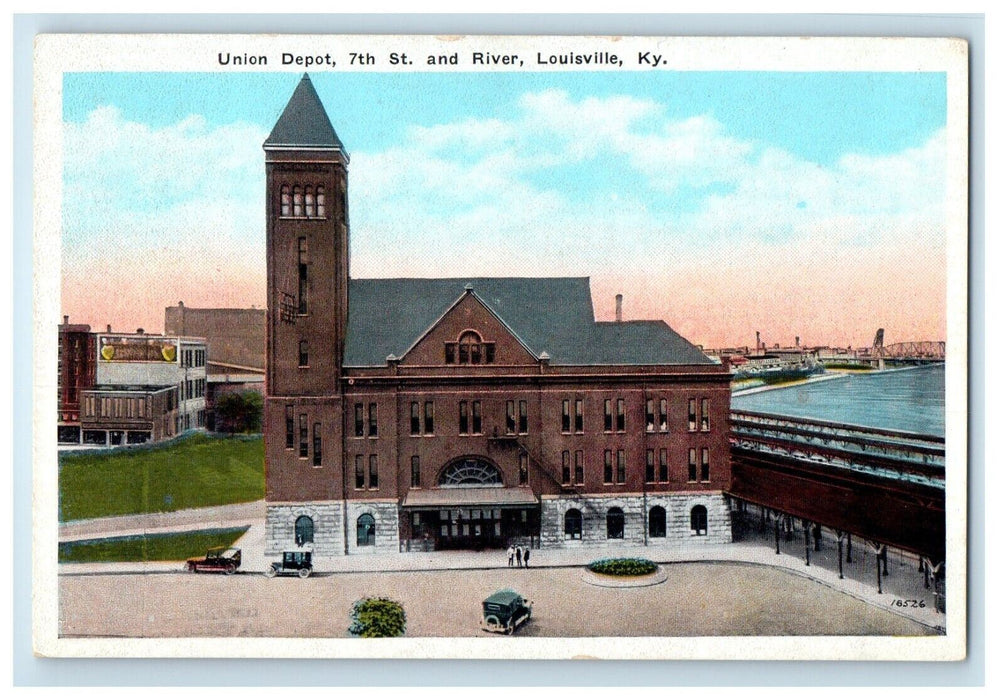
column 698, row 599
column 235, row 515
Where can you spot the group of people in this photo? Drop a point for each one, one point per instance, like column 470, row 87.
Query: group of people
column 519, row 555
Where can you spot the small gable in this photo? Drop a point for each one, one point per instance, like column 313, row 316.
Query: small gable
column 469, row 333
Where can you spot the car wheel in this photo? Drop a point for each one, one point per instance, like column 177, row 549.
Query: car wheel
column 509, row 628
column 492, row 621
column 230, row 569
column 190, row 568
column 304, row 573
column 271, row 572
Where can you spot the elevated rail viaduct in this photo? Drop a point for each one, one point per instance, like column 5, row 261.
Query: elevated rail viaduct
column 884, row 487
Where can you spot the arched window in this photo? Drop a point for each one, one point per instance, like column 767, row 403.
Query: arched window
column 471, row 472
column 615, row 524
column 298, row 202
column 366, row 530
column 303, row 531
column 657, row 522
column 573, row 524
column 469, row 349
column 321, row 202
column 699, row 520
column 284, row 208
column 309, row 198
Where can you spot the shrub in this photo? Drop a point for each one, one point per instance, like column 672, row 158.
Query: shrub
column 623, row 567
column 377, row 617
column 239, row 412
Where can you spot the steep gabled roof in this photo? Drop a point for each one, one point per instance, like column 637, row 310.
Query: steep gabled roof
column 304, row 123
column 552, row 315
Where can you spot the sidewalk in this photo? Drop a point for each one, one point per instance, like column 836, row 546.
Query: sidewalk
column 903, row 581
column 235, row 515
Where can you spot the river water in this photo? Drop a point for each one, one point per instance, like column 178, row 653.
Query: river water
column 910, row 399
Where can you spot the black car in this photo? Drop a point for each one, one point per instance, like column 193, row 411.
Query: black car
column 293, row 564
column 504, row 611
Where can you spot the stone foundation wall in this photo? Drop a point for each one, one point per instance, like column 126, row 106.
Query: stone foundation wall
column 678, row 520
column 385, row 516
column 280, row 521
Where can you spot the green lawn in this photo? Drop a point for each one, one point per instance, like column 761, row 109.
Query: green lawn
column 198, row 470
column 177, row 546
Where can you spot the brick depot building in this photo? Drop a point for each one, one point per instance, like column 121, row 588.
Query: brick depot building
column 406, row 414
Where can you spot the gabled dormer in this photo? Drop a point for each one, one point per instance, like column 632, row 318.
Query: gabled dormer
column 469, row 334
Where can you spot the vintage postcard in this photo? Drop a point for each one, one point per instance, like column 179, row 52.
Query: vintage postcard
column 500, row 347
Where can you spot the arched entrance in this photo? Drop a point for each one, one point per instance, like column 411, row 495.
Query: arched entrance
column 472, row 507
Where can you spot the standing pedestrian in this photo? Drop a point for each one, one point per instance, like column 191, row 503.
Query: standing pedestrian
column 519, row 555
column 511, row 552
column 526, row 557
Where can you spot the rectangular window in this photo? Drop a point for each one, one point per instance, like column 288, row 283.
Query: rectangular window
column 650, row 466
column 358, row 415
column 704, row 464
column 317, row 444
column 360, row 475
column 304, row 358
column 523, row 418
column 462, row 418
column 664, row 466
column 621, row 415
column 566, row 467
column 692, row 465
column 692, row 415
column 650, row 415
column 449, row 353
column 416, row 473
column 608, row 416
column 490, row 353
column 705, row 423
column 621, row 466
column 579, row 467
column 579, row 416
column 664, row 426
column 566, row 418
column 372, row 420
column 608, row 468
column 429, row 418
column 302, row 276
column 303, row 435
column 510, row 417
column 373, row 471
column 415, row 425
column 476, row 417
column 524, row 468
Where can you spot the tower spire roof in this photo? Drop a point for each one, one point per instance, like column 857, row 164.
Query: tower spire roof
column 304, row 123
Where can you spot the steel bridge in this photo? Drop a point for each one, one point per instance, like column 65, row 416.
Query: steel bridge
column 886, row 487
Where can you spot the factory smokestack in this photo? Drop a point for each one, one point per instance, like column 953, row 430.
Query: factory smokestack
column 617, row 307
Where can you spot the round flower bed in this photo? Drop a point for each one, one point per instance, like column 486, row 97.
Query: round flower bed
column 623, row 567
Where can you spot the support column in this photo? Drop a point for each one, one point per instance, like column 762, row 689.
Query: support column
column 777, row 549
column 885, row 571
column 840, row 557
column 848, row 556
column 806, row 538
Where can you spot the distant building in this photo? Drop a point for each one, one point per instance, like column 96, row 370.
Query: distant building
column 235, row 348
column 128, row 388
column 76, row 360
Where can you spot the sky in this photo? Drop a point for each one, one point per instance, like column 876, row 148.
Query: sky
column 794, row 204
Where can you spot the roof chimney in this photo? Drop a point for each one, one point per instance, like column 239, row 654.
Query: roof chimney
column 181, row 303
column 66, row 320
column 618, row 298
column 139, row 331
column 108, row 328
column 797, row 341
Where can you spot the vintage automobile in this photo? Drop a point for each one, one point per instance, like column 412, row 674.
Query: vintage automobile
column 225, row 559
column 504, row 611
column 293, row 564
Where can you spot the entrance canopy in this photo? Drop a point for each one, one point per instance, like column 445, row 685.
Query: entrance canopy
column 474, row 496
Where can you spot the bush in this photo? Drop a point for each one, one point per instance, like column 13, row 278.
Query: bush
column 377, row 617
column 623, row 567
column 239, row 412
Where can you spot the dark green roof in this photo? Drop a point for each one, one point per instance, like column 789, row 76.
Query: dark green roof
column 547, row 314
column 304, row 123
column 505, row 596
